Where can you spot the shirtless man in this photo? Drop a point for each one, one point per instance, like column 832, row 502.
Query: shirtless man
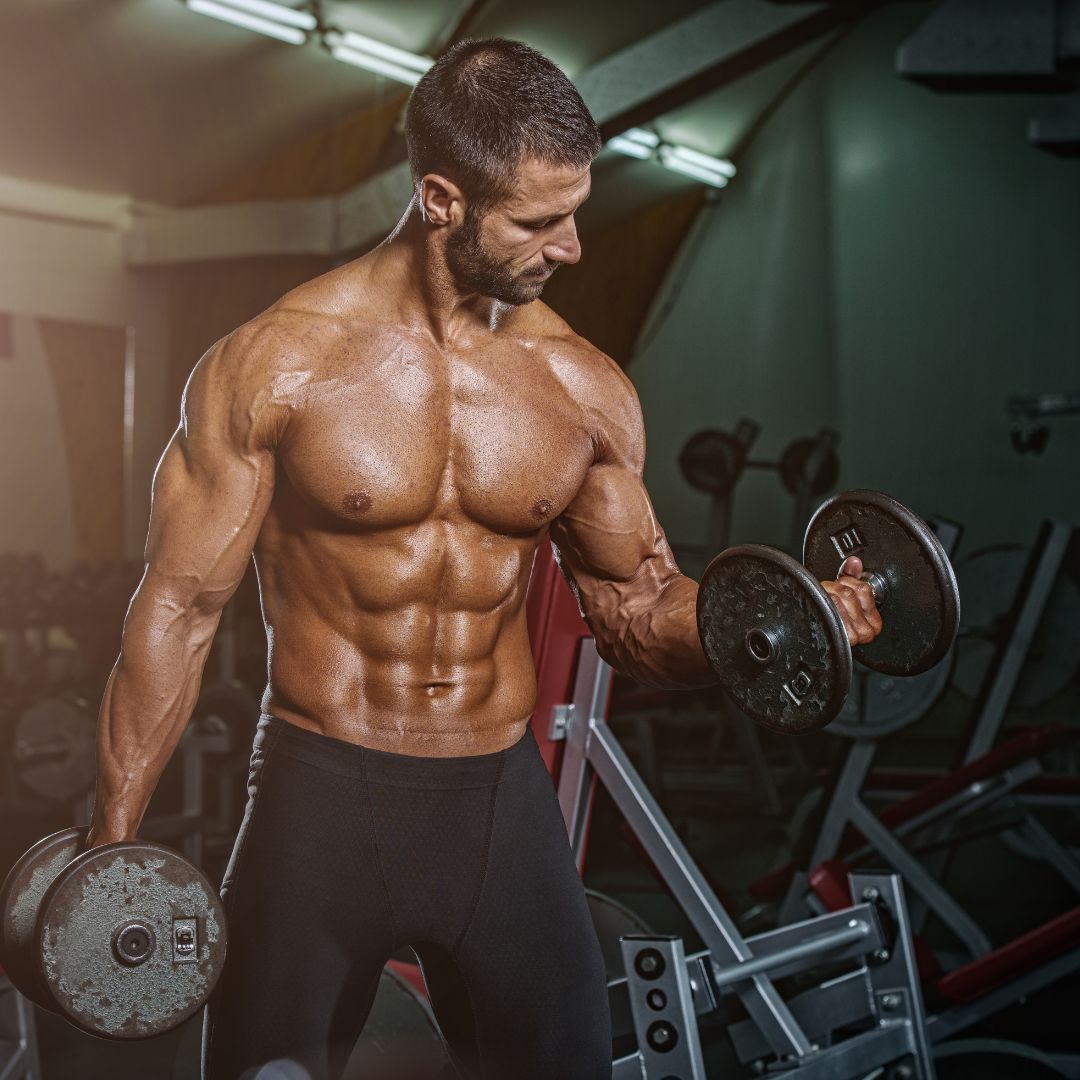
column 392, row 440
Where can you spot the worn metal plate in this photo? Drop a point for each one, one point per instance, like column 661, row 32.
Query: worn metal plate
column 400, row 1040
column 612, row 920
column 20, row 903
column 988, row 581
column 880, row 704
column 132, row 940
column 921, row 605
column 54, row 748
column 774, row 638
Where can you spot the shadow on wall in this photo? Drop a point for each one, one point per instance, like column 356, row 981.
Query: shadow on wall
column 893, row 263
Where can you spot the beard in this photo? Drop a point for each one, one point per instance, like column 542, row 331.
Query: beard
column 475, row 269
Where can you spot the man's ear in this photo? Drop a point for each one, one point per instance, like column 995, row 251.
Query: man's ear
column 442, row 202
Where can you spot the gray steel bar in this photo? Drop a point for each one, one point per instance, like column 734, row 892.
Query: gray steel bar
column 821, row 1010
column 1008, row 662
column 1053, row 852
column 675, row 864
column 942, row 1025
column 590, row 699
column 680, row 1052
column 894, row 976
column 856, row 765
column 816, row 947
column 920, row 879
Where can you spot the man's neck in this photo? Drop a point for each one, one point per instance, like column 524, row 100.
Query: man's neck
column 410, row 267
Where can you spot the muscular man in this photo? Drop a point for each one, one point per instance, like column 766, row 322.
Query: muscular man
column 393, row 440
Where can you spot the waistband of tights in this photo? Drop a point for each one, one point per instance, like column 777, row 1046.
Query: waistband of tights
column 383, row 766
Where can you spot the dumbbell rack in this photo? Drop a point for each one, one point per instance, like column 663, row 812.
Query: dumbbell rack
column 666, row 991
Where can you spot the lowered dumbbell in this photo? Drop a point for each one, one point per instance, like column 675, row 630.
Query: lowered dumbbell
column 774, row 637
column 124, row 941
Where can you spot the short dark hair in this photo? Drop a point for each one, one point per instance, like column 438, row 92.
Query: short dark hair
column 487, row 105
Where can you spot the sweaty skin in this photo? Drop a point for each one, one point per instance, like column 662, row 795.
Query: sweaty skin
column 392, row 447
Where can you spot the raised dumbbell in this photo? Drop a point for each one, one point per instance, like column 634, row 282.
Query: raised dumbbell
column 774, row 637
column 124, row 941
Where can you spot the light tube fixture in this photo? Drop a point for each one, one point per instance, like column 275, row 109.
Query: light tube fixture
column 636, row 143
column 670, row 160
column 365, row 46
column 226, row 13
column 706, row 161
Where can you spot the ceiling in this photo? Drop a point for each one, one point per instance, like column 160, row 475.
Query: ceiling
column 148, row 99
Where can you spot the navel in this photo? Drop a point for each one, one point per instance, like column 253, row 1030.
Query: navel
column 356, row 502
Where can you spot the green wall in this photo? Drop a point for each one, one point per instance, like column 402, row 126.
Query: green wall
column 893, row 262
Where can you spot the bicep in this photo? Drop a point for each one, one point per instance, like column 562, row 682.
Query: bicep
column 610, row 544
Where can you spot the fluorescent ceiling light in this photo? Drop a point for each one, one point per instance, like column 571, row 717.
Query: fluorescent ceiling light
column 293, row 35
column 632, row 149
column 676, row 163
column 358, row 43
column 637, row 143
column 706, row 161
column 277, row 12
column 376, row 64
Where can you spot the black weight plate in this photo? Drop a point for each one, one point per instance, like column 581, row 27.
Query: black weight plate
column 54, row 748
column 759, row 591
column 20, row 904
column 611, row 920
column 400, row 1040
column 921, row 610
column 91, row 900
column 711, row 461
column 880, row 704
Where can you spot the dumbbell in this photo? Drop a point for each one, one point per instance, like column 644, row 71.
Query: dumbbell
column 774, row 637
column 124, row 941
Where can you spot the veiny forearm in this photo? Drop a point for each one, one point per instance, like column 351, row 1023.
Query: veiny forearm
column 654, row 638
column 147, row 703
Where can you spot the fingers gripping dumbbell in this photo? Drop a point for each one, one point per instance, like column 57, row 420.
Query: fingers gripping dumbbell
column 774, row 636
column 124, row 940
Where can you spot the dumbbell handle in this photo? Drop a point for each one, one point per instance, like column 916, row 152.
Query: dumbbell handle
column 878, row 583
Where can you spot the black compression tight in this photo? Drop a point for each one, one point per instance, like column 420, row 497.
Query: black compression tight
column 347, row 854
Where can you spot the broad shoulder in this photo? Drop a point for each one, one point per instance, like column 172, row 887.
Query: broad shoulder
column 249, row 382
column 600, row 387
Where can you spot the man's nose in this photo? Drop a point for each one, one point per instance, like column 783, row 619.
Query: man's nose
column 564, row 246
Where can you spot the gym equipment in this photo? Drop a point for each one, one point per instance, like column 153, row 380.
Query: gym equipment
column 53, row 753
column 124, row 941
column 845, row 1027
column 1029, row 436
column 19, row 1058
column 774, row 636
column 907, row 568
column 400, row 1038
column 713, row 461
column 989, row 580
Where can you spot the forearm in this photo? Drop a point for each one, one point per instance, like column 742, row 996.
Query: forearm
column 148, row 701
column 656, row 640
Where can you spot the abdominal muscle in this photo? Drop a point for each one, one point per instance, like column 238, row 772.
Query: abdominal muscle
column 442, row 678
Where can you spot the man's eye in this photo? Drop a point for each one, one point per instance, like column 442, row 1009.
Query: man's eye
column 537, row 226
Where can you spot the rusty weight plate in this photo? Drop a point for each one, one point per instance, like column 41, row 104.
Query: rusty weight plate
column 774, row 638
column 20, row 904
column 920, row 603
column 131, row 940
